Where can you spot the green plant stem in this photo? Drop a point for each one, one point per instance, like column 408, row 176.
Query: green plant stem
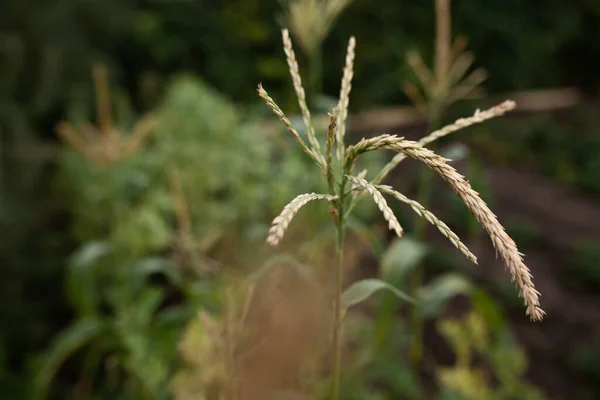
column 417, row 277
column 337, row 313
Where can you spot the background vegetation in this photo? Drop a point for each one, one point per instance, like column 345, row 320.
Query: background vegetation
column 106, row 264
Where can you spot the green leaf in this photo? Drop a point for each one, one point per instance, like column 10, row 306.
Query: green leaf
column 64, row 345
column 402, row 256
column 90, row 253
column 362, row 290
column 154, row 265
column 146, row 306
column 81, row 277
column 434, row 295
column 174, row 316
column 485, row 305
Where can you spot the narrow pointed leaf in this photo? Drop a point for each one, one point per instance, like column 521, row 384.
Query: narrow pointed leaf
column 66, row 343
column 401, row 257
column 81, row 285
column 434, row 296
column 362, row 290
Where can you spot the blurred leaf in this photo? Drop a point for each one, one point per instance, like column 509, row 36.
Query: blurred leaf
column 400, row 258
column 509, row 362
column 362, row 290
column 434, row 295
column 456, row 334
column 147, row 305
column 485, row 306
column 455, row 152
column 173, row 316
column 81, row 279
column 325, row 103
column 64, row 345
column 462, row 383
column 142, row 230
column 143, row 269
column 471, row 340
column 90, row 253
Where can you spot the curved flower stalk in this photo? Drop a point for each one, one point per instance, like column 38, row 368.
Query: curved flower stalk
column 280, row 224
column 432, row 219
column 387, row 212
column 312, row 152
column 345, row 97
column 344, row 186
column 503, row 243
column 300, row 93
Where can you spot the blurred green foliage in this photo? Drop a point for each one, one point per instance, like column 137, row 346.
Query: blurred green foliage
column 194, row 197
column 132, row 199
column 563, row 148
column 488, row 362
column 380, row 339
column 502, row 359
column 122, row 324
column 194, row 200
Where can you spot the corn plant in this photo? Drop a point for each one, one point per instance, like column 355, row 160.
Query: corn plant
column 338, row 170
column 105, row 144
column 447, row 81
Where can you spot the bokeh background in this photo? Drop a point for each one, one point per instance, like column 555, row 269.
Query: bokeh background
column 140, row 171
